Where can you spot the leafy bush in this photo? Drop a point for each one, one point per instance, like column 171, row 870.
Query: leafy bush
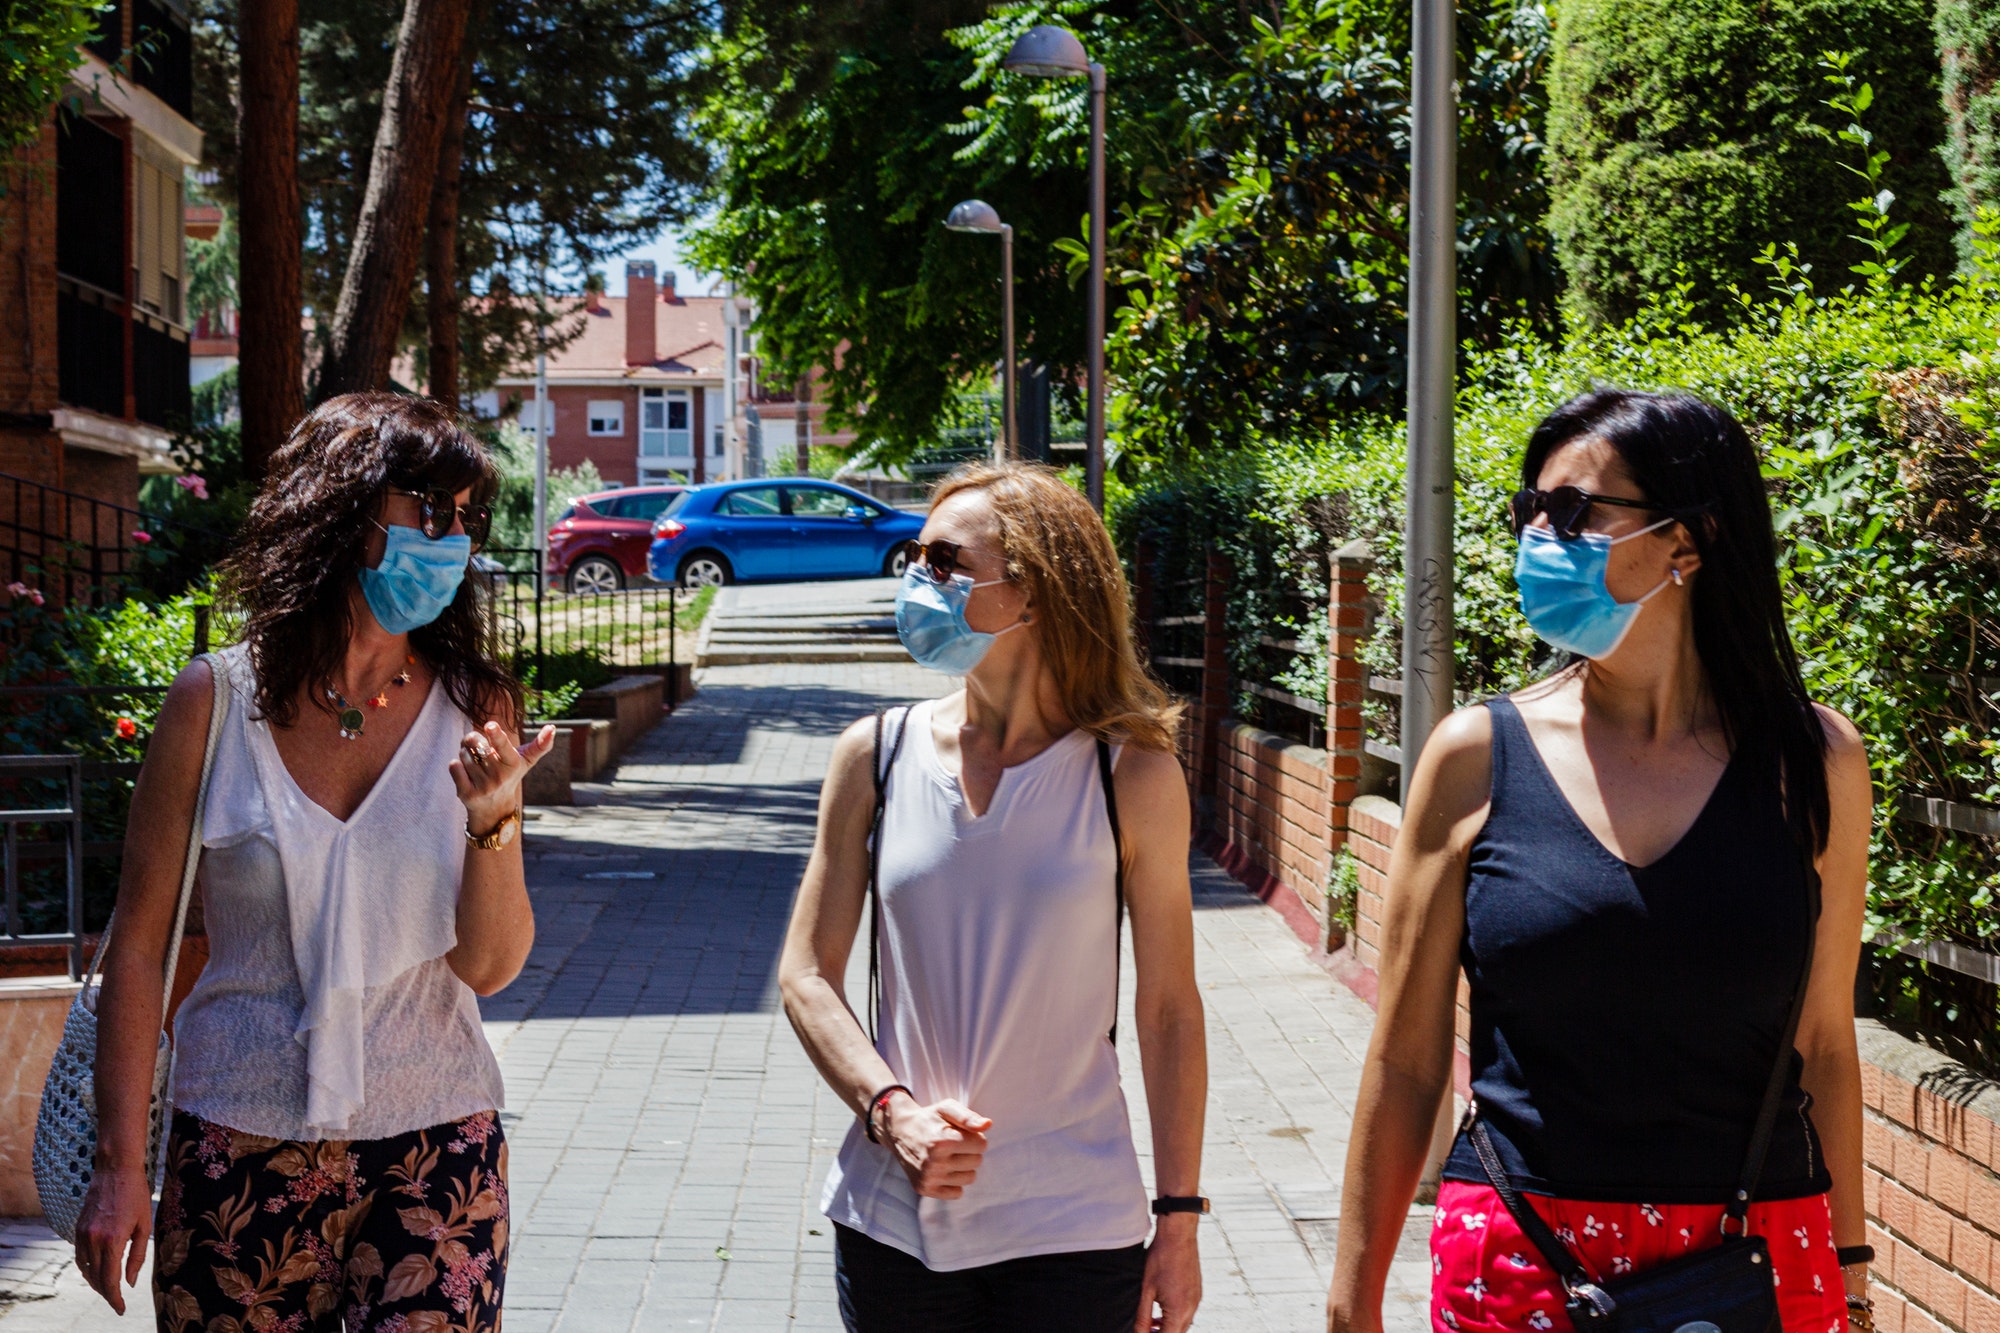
column 513, row 450
column 1683, row 134
column 1968, row 38
column 135, row 643
column 1872, row 410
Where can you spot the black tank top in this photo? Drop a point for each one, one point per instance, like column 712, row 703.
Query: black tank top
column 1625, row 1019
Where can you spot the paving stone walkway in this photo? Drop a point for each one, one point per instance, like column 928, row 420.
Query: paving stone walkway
column 669, row 1137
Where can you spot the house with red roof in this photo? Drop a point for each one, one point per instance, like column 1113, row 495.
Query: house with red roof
column 660, row 386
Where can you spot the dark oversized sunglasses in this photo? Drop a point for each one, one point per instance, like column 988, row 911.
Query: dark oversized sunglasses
column 437, row 507
column 1567, row 508
column 940, row 559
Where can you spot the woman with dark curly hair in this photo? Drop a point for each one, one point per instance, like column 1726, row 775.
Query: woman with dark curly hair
column 335, row 1157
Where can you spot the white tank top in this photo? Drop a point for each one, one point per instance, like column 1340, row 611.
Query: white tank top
column 327, row 1009
column 998, row 955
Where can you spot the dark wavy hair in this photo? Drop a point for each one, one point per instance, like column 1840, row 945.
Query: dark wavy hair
column 1694, row 460
column 294, row 562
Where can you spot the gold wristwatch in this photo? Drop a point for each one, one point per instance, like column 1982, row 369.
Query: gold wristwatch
column 502, row 834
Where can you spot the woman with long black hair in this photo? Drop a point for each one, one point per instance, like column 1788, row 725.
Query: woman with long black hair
column 1651, row 868
column 335, row 1157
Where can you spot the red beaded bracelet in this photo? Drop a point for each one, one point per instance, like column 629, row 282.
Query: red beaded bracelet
column 875, row 1104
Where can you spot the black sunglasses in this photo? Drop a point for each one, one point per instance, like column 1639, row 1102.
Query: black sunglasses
column 437, row 507
column 1567, row 508
column 940, row 559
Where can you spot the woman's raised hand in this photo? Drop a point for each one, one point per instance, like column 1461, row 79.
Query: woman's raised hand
column 939, row 1146
column 489, row 770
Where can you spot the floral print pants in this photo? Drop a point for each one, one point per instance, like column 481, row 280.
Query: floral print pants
column 399, row 1235
column 1488, row 1277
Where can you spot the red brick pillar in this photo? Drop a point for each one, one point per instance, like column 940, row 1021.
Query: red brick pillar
column 1346, row 686
column 1214, row 667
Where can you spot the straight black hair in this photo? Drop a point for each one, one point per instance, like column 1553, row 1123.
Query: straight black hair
column 1696, row 462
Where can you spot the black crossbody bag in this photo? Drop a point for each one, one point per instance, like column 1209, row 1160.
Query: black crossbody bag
column 1725, row 1289
column 875, row 866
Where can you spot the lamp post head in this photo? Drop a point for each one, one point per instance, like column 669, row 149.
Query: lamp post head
column 974, row 215
column 1048, row 52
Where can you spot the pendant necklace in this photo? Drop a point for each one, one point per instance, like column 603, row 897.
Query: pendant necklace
column 351, row 718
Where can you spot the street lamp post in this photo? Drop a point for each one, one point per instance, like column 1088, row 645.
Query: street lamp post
column 976, row 216
column 1051, row 52
column 1428, row 495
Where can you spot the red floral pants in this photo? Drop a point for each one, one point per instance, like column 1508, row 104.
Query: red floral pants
column 1486, row 1276
column 399, row 1235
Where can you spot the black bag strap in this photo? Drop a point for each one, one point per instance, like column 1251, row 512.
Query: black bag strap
column 1117, row 877
column 1575, row 1278
column 881, row 771
column 1774, row 1086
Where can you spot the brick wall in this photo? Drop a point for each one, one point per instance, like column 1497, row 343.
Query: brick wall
column 29, row 446
column 1269, row 822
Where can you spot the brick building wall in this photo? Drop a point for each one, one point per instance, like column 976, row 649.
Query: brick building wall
column 29, row 446
column 616, row 457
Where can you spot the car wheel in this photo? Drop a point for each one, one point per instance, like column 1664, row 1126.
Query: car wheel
column 704, row 569
column 593, row 576
column 898, row 561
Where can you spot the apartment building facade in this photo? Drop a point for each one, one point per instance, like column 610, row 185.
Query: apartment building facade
column 94, row 353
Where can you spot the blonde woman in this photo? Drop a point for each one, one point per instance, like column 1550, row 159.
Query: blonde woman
column 1002, row 833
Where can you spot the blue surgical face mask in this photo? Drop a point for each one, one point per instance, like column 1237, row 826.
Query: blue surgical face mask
column 417, row 578
column 1563, row 592
column 930, row 620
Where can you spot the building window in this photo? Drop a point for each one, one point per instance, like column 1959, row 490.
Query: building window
column 652, row 423
column 532, row 412
column 607, row 416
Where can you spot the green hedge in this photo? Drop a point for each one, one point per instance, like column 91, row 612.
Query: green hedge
column 1888, row 506
column 1968, row 38
column 1682, row 133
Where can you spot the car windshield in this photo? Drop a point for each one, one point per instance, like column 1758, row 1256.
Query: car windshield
column 647, row 505
column 675, row 505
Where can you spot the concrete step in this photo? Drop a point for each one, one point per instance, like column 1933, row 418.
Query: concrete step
column 803, row 629
column 829, row 651
column 799, row 641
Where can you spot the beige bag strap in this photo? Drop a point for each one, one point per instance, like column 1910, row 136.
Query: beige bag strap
column 219, row 673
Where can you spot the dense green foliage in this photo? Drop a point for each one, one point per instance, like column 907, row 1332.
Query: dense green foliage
column 1887, row 503
column 1968, row 39
column 38, row 44
column 1257, row 171
column 1684, row 133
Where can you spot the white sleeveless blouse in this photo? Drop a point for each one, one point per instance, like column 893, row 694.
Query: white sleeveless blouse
column 327, row 1010
column 998, row 949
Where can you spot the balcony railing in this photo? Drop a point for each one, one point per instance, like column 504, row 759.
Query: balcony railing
column 90, row 347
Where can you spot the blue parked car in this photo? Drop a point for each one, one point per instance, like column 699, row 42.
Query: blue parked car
column 772, row 531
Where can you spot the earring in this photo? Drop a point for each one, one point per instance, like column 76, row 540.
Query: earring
column 1675, row 575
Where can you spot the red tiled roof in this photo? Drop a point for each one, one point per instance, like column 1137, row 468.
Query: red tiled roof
column 688, row 339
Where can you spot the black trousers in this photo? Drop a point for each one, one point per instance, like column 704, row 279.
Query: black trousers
column 883, row 1290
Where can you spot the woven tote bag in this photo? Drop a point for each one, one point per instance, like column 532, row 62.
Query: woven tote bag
column 66, row 1127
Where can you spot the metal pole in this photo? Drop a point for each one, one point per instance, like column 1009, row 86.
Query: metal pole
column 1010, row 442
column 542, row 415
column 1427, row 566
column 1094, row 334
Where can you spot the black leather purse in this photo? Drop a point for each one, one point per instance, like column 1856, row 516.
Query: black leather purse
column 1727, row 1288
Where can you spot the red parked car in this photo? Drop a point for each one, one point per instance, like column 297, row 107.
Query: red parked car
column 599, row 544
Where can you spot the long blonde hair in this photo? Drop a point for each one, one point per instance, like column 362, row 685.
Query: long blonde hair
column 1058, row 551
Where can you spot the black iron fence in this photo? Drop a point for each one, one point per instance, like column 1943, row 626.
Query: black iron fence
column 541, row 628
column 78, row 550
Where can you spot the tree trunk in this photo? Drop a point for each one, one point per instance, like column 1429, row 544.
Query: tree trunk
column 441, row 240
column 270, row 230
column 388, row 236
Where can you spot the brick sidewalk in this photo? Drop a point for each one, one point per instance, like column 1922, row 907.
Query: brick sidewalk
column 669, row 1136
